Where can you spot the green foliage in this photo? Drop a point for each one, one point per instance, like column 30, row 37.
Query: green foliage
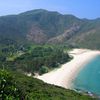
column 37, row 57
column 44, row 69
column 8, row 90
column 17, row 54
column 30, row 88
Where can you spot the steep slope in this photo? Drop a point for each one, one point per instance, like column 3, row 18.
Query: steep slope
column 88, row 36
column 21, row 87
column 42, row 26
column 64, row 36
column 36, row 26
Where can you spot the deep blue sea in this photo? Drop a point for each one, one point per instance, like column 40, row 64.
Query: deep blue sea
column 88, row 79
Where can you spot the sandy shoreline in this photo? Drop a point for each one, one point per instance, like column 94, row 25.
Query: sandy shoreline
column 64, row 75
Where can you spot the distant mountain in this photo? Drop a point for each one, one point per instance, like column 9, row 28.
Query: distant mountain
column 42, row 26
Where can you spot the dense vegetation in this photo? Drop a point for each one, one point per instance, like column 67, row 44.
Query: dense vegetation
column 8, row 89
column 16, row 86
column 34, row 58
column 20, row 55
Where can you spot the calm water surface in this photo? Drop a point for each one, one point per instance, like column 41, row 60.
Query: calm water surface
column 88, row 78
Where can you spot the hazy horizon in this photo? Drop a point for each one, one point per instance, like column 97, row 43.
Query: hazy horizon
column 82, row 9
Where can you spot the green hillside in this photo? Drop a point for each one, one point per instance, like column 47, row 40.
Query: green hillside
column 37, row 41
column 88, row 35
column 42, row 26
column 30, row 24
column 16, row 86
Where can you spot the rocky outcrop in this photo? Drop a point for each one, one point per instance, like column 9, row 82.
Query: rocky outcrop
column 36, row 35
column 65, row 36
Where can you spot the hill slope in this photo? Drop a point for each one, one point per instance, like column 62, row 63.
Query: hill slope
column 42, row 26
column 21, row 87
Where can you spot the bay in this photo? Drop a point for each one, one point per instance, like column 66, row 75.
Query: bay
column 88, row 79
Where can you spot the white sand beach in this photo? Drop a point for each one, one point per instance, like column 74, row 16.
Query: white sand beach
column 64, row 75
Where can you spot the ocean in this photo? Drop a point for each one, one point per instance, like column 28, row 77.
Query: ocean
column 88, row 79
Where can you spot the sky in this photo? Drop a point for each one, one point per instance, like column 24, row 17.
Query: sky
column 81, row 8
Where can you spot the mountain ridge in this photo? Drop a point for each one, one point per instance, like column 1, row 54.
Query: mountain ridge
column 41, row 26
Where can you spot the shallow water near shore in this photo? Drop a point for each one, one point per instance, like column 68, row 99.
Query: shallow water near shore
column 88, row 79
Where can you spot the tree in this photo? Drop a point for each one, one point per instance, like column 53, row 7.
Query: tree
column 8, row 88
column 43, row 69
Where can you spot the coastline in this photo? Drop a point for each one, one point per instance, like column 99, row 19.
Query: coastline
column 64, row 75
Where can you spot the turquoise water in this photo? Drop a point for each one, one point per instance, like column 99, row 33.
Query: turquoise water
column 88, row 78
